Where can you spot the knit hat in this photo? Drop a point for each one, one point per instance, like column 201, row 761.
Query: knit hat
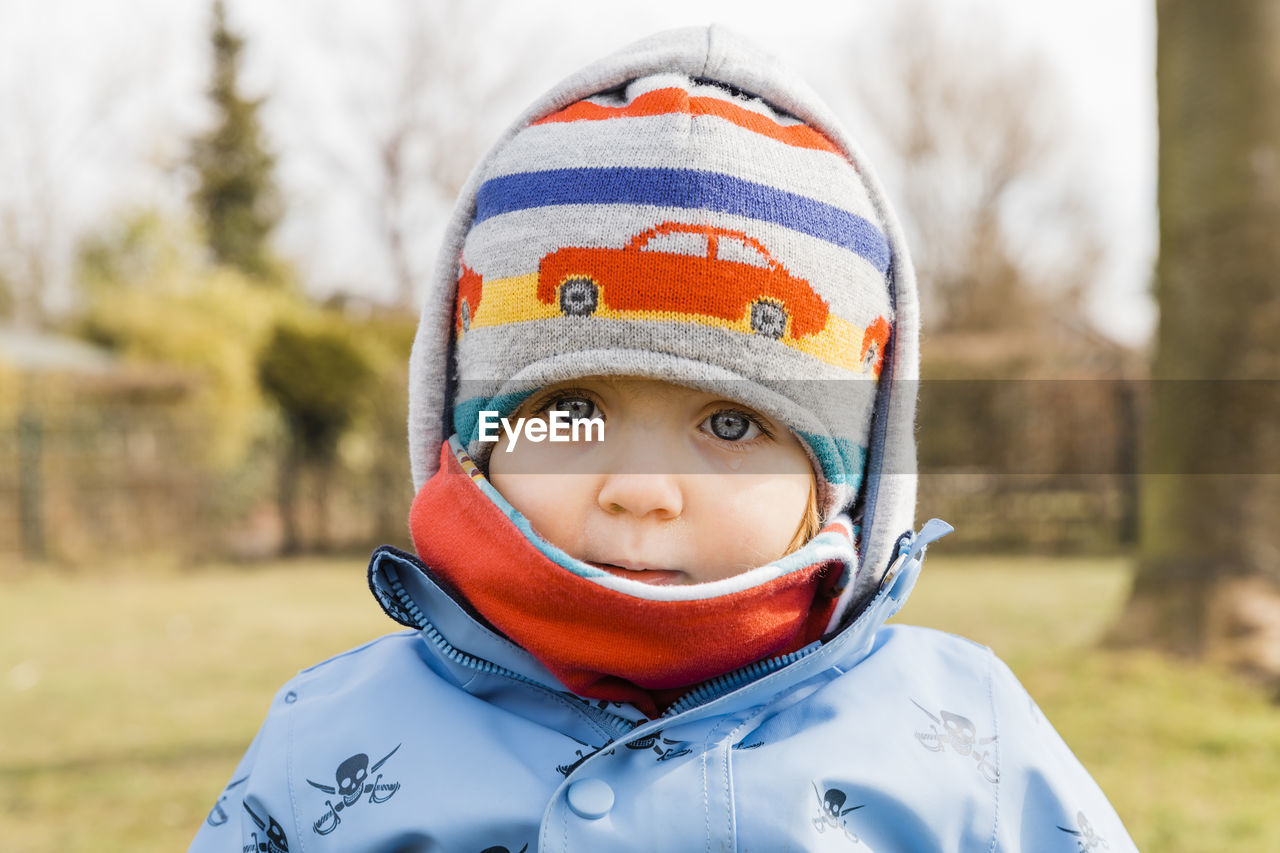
column 679, row 228
column 704, row 130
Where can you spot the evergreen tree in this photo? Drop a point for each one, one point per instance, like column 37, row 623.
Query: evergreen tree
column 236, row 198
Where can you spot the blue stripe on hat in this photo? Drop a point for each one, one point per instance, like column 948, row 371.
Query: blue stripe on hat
column 686, row 188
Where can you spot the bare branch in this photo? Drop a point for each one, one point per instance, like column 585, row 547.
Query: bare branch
column 978, row 142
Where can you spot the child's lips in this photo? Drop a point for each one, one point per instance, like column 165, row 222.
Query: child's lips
column 644, row 574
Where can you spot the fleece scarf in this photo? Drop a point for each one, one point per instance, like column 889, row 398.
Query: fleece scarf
column 614, row 638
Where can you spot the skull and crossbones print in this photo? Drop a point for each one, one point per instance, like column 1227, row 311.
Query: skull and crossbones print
column 961, row 735
column 665, row 747
column 218, row 815
column 831, row 812
column 273, row 839
column 351, row 783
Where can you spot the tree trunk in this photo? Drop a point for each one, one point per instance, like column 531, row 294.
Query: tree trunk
column 290, row 473
column 1208, row 582
column 323, row 477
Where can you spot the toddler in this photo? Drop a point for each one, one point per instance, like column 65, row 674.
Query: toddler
column 662, row 402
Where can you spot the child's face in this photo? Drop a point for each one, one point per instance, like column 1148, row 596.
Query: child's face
column 686, row 486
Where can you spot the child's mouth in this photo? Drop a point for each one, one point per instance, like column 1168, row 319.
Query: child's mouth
column 656, row 577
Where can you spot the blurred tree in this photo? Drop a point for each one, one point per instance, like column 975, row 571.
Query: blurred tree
column 980, row 148
column 376, row 446
column 417, row 117
column 973, row 136
column 391, row 484
column 60, row 137
column 265, row 360
column 6, row 297
column 236, row 197
column 150, row 297
column 30, row 222
column 1208, row 581
column 317, row 373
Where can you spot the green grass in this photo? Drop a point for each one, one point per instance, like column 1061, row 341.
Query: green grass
column 127, row 698
column 147, row 690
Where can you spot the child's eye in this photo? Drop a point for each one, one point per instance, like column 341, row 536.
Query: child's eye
column 577, row 407
column 732, row 425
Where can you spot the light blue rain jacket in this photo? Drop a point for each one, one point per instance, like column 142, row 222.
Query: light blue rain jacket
column 450, row 738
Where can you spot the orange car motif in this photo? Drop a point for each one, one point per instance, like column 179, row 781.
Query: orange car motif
column 689, row 269
column 874, row 340
column 469, row 290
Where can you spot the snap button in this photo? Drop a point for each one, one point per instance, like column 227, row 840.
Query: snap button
column 590, row 799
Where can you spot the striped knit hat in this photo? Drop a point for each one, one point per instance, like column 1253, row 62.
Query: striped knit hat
column 679, row 228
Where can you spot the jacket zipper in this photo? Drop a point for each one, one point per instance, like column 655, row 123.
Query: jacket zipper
column 730, row 681
column 703, row 693
column 618, row 725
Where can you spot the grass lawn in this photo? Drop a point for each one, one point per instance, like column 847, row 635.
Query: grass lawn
column 127, row 698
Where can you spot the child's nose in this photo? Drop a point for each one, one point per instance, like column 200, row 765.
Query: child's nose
column 641, row 495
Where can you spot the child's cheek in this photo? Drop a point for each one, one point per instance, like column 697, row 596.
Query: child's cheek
column 754, row 517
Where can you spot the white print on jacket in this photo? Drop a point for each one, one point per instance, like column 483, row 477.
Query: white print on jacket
column 961, row 735
column 1086, row 837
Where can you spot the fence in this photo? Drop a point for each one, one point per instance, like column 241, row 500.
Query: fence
column 1013, row 465
column 84, row 485
column 1048, row 465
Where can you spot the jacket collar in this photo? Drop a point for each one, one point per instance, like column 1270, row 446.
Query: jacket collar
column 459, row 638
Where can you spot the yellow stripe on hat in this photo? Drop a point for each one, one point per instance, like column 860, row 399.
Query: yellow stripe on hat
column 515, row 300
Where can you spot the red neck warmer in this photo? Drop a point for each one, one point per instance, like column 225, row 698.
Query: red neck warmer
column 602, row 643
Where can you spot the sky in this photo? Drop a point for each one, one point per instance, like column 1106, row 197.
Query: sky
column 103, row 96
